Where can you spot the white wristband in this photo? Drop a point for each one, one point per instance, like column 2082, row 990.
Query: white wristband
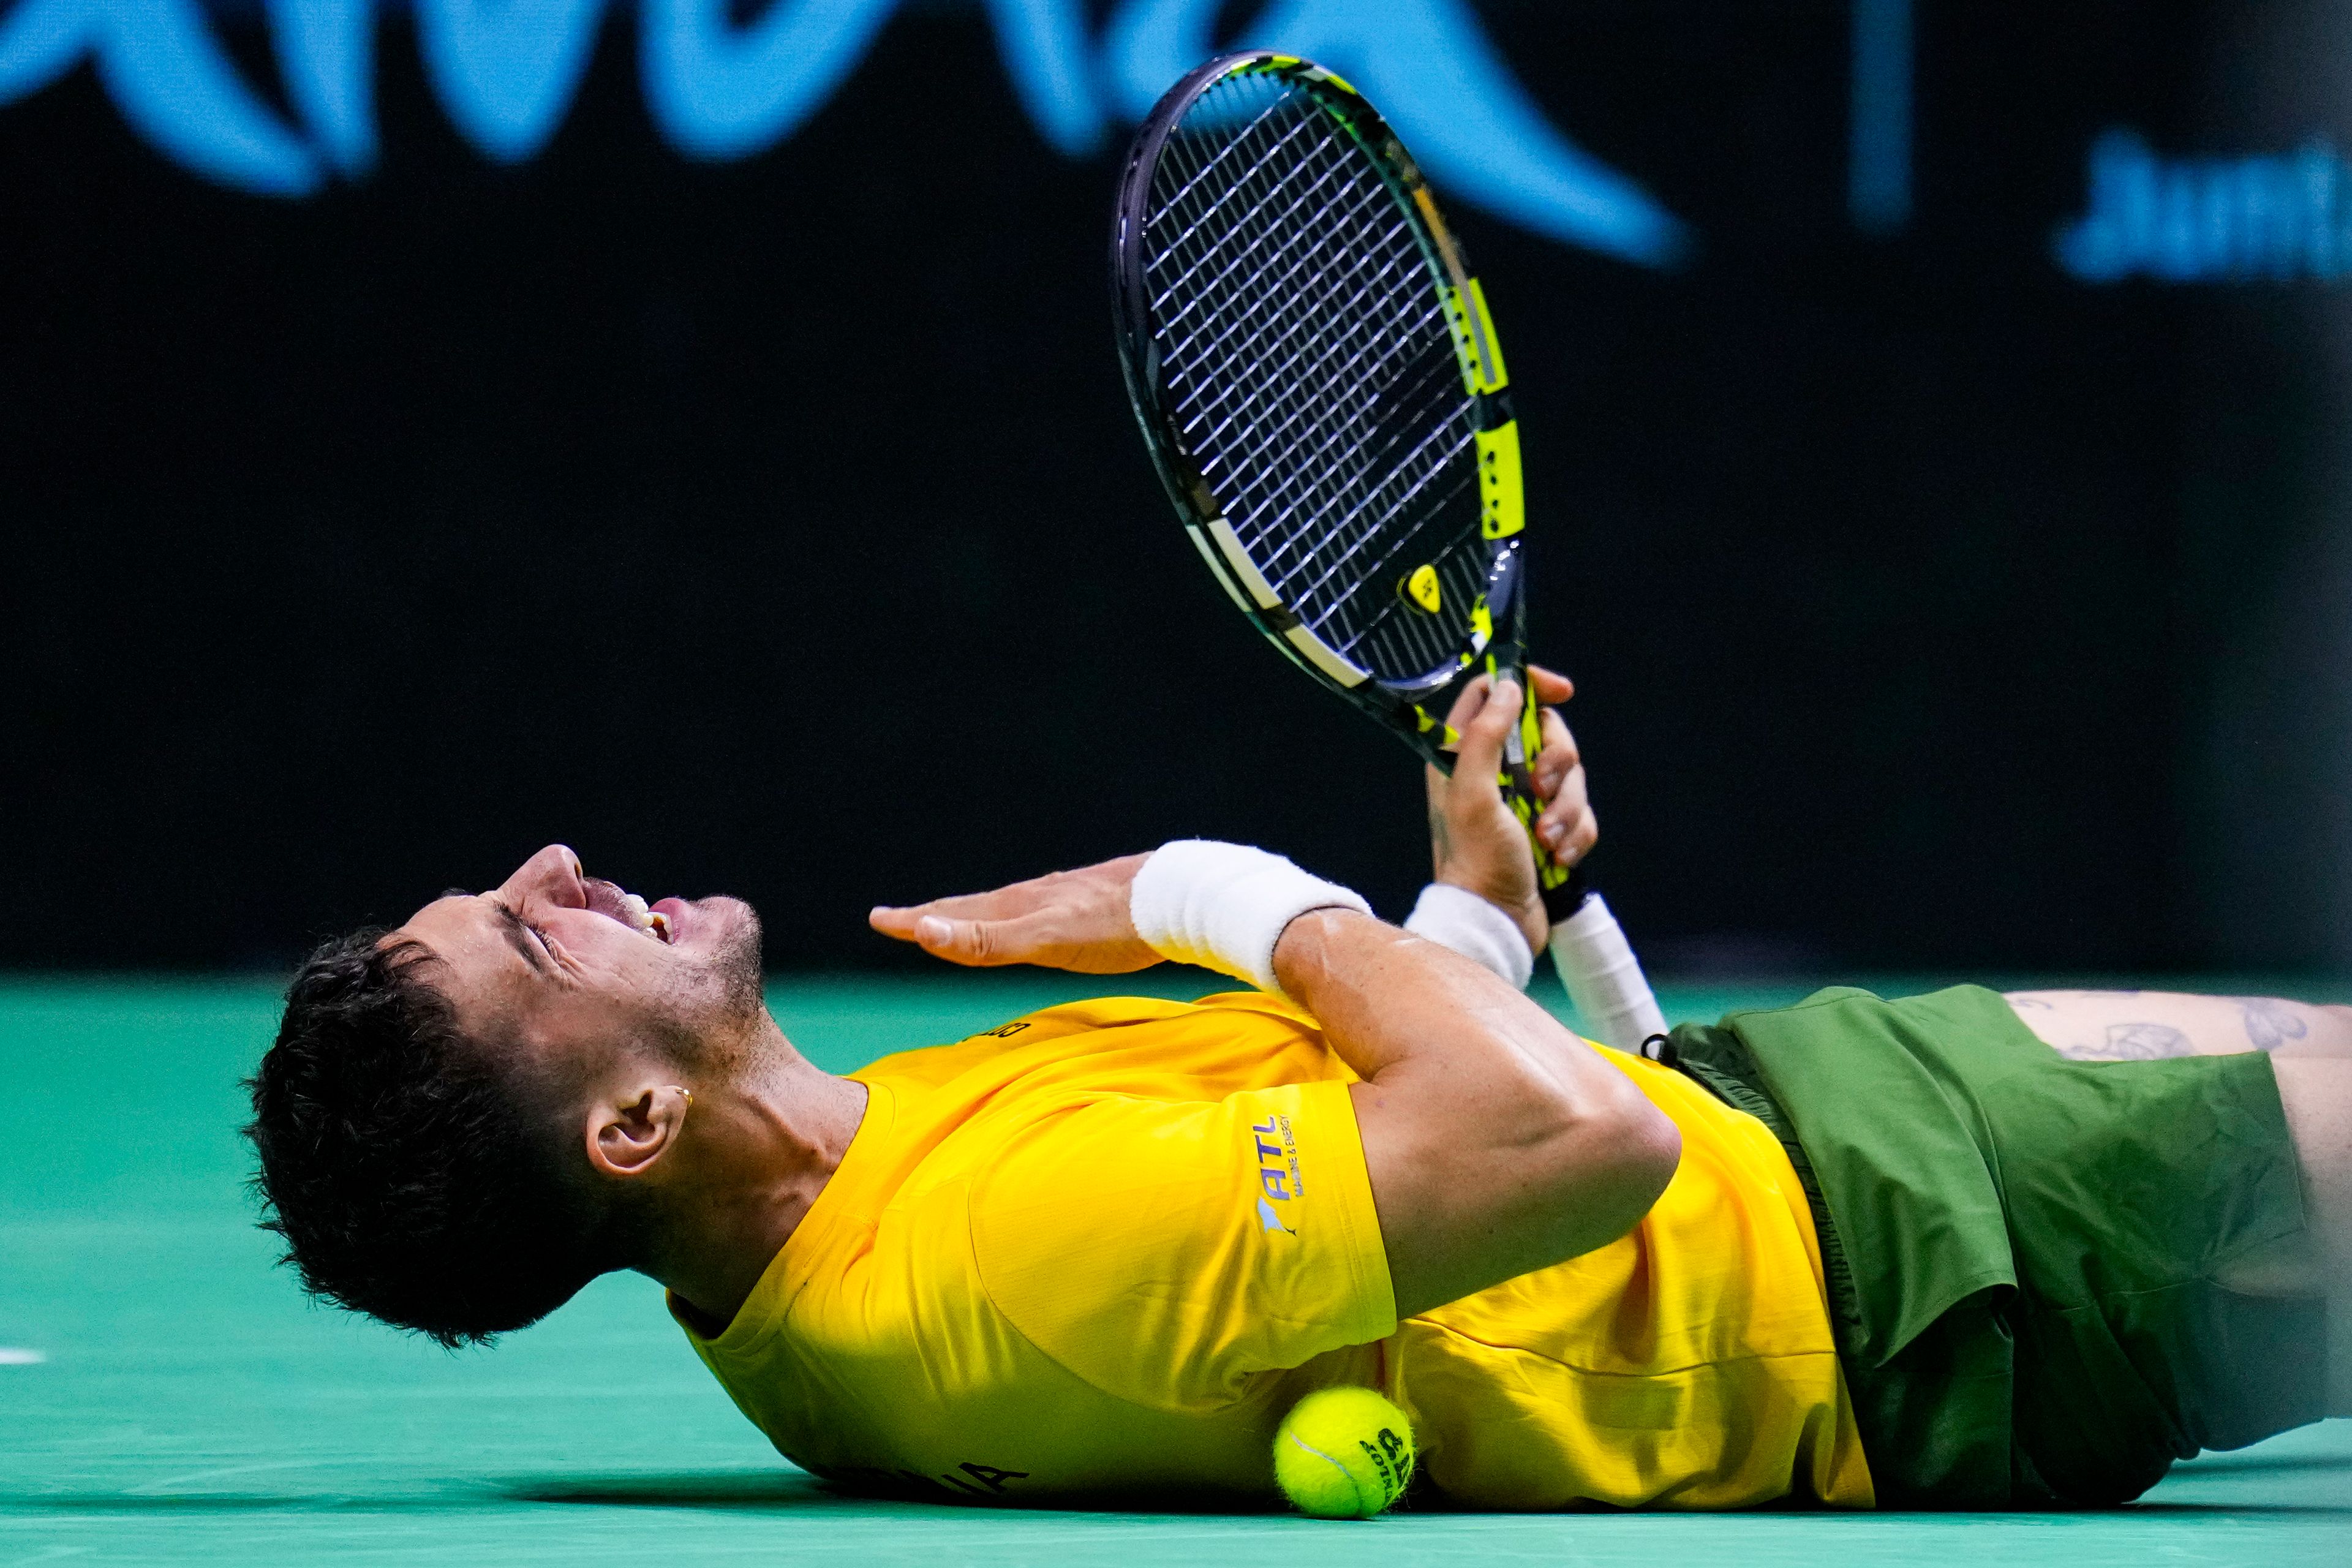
column 1459, row 919
column 1223, row 906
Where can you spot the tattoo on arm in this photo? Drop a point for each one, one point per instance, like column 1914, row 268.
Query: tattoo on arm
column 2271, row 1023
column 2144, row 1042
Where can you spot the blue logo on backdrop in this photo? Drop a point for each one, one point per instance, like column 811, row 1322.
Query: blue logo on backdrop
column 505, row 73
column 2210, row 220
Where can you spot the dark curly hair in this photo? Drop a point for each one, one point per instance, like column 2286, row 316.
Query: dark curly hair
column 400, row 1160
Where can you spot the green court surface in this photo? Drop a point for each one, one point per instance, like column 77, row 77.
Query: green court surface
column 167, row 1397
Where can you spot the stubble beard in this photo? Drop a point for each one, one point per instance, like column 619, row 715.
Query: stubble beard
column 739, row 976
column 726, row 1029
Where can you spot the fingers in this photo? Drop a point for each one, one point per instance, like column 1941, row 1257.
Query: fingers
column 1558, row 758
column 902, row 923
column 1550, row 686
column 1066, row 919
column 1567, row 827
column 979, row 944
column 1037, row 937
column 934, row 926
column 997, row 904
column 1480, row 757
column 1466, row 704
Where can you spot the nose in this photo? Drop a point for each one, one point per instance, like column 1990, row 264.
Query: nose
column 552, row 877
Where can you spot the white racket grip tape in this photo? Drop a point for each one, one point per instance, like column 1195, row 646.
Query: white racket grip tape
column 1223, row 906
column 1604, row 979
column 1459, row 919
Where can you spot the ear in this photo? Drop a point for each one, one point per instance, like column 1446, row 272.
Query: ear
column 627, row 1137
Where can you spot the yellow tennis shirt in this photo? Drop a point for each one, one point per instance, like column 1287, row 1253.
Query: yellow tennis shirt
column 1101, row 1250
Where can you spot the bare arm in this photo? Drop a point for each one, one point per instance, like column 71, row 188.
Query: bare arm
column 1498, row 1142
column 2131, row 1026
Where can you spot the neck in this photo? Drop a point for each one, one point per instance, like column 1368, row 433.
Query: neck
column 763, row 1148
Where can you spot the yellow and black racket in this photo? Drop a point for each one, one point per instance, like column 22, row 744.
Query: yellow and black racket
column 1314, row 367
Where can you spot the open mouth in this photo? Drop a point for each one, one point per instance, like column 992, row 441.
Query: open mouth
column 609, row 899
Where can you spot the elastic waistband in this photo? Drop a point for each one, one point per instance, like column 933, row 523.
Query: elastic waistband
column 1717, row 1061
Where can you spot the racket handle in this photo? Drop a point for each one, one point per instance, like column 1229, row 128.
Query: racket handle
column 1563, row 898
column 1604, row 979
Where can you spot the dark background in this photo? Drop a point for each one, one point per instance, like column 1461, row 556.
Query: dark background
column 779, row 526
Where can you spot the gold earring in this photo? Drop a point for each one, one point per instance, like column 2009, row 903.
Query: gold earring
column 685, row 1093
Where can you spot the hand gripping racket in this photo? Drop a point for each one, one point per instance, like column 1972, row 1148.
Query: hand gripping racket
column 1316, row 371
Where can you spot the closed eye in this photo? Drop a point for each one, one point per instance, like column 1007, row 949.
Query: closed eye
column 525, row 938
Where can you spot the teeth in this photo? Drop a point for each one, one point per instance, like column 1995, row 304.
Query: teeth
column 638, row 917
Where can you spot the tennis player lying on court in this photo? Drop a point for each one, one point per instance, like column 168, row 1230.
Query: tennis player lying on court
column 1854, row 1251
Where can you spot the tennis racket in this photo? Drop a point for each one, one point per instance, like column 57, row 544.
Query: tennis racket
column 1316, row 373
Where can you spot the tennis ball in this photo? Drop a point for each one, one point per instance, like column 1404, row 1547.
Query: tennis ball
column 1343, row 1453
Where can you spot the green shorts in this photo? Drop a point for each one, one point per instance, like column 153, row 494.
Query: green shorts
column 2020, row 1247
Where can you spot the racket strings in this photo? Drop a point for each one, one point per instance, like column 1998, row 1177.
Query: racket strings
column 1281, row 457
column 1304, row 343
column 1378, row 529
column 1246, row 181
column 1237, row 144
column 1234, row 406
column 1287, row 228
column 1320, row 310
column 1349, row 334
column 1302, row 313
column 1308, row 317
column 1350, row 533
column 1307, row 327
column 1462, row 578
column 1313, row 317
